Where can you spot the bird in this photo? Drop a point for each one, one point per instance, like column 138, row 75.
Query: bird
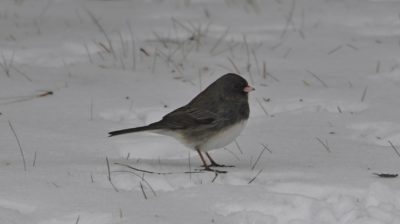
column 211, row 120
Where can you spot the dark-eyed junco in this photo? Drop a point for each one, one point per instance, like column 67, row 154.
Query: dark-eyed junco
column 212, row 120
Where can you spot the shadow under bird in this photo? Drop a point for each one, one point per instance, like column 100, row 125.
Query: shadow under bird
column 212, row 120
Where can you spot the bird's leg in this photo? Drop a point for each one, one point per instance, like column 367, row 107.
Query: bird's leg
column 207, row 167
column 202, row 159
column 215, row 164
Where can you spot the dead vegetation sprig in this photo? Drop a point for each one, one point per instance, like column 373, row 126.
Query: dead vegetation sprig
column 238, row 147
column 190, row 167
column 232, row 153
column 154, row 172
column 85, row 45
column 288, row 51
column 289, row 20
column 247, row 48
column 339, row 109
column 253, row 52
column 317, row 78
column 335, row 49
column 133, row 46
column 220, row 39
column 109, row 48
column 235, row 67
column 109, row 175
column 215, row 177
column 158, row 53
column 364, row 94
column 352, row 46
column 259, row 156
column 7, row 63
column 19, row 145
column 144, row 192
column 394, row 148
column 163, row 41
column 324, row 144
column 143, row 180
column 155, row 55
column 196, row 32
column 378, row 67
column 22, row 73
column 231, row 45
column 34, row 159
column 262, row 107
column 255, row 177
column 302, row 24
column 265, row 73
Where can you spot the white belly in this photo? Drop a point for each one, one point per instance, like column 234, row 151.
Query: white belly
column 223, row 138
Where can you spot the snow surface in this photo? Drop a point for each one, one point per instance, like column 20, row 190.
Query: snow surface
column 324, row 116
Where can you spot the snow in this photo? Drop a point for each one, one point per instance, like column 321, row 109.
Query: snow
column 326, row 74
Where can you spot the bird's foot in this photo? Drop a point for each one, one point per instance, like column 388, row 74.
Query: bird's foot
column 220, row 165
column 214, row 164
column 207, row 168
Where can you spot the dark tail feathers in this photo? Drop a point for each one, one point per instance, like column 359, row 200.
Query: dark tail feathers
column 131, row 130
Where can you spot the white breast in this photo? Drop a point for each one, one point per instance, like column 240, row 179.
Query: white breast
column 224, row 137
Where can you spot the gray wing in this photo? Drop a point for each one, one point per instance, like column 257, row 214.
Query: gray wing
column 189, row 117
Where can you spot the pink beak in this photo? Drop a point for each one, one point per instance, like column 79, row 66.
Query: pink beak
column 248, row 89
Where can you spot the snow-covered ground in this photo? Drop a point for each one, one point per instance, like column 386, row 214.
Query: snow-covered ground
column 324, row 116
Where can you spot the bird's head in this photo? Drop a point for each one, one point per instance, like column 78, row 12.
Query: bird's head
column 234, row 85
